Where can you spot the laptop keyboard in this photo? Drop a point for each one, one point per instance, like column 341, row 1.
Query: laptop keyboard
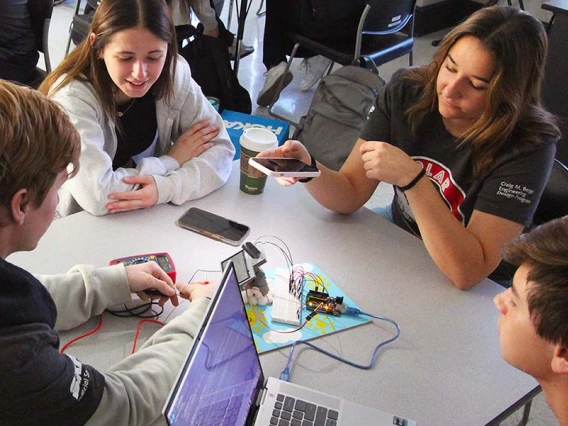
column 221, row 413
column 290, row 411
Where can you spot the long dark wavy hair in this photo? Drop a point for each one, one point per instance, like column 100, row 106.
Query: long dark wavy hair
column 111, row 17
column 519, row 45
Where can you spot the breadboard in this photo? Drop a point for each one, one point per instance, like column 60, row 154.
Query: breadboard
column 285, row 307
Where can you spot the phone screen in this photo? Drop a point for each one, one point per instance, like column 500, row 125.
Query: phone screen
column 213, row 226
column 285, row 165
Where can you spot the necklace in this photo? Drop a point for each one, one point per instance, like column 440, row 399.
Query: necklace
column 121, row 113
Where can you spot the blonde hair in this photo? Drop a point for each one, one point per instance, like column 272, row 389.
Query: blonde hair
column 37, row 142
column 519, row 44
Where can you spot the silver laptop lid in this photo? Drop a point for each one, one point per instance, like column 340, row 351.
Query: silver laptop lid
column 222, row 375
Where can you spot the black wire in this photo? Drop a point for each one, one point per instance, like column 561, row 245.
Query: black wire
column 202, row 270
column 287, row 253
column 138, row 311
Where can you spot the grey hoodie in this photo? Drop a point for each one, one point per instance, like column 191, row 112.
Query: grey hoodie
column 201, row 175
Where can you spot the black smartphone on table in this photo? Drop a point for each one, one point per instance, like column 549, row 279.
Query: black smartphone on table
column 213, row 226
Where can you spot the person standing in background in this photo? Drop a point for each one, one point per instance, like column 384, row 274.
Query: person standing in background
column 315, row 19
column 18, row 53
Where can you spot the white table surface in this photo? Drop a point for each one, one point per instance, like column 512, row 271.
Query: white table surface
column 446, row 367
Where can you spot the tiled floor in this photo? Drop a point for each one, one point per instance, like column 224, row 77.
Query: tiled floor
column 293, row 103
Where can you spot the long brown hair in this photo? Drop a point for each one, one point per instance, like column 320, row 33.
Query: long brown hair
column 519, row 44
column 111, row 17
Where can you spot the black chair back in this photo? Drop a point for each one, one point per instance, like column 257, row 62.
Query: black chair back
column 387, row 16
column 92, row 5
column 554, row 201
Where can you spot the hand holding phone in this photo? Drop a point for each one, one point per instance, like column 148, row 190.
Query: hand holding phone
column 284, row 167
column 213, row 226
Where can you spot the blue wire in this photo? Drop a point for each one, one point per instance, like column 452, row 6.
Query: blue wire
column 285, row 375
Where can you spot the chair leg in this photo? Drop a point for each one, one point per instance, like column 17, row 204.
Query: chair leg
column 68, row 40
column 521, row 5
column 77, row 8
column 260, row 12
column 329, row 70
column 46, row 57
column 526, row 413
column 231, row 3
column 280, row 86
column 550, row 23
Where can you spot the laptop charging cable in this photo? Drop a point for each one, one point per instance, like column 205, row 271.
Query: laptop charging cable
column 345, row 310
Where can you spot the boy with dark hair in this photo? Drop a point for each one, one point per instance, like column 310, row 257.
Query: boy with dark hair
column 533, row 326
column 38, row 384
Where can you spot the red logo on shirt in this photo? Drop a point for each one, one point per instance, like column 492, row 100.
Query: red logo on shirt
column 450, row 191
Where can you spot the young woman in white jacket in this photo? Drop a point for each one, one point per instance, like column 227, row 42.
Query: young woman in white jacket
column 149, row 136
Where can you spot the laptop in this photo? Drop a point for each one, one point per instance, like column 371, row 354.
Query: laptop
column 222, row 383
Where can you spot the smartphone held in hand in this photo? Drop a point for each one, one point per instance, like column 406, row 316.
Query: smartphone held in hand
column 213, row 226
column 284, row 167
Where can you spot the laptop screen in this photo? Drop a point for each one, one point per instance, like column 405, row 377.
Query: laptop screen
column 222, row 374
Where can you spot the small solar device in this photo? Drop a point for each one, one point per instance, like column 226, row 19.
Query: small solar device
column 163, row 260
column 247, row 264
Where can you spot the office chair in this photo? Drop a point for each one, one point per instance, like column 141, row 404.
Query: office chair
column 554, row 201
column 79, row 28
column 380, row 39
column 40, row 16
column 509, row 2
column 491, row 3
column 259, row 12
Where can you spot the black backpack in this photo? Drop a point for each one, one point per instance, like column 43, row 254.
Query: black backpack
column 208, row 58
column 337, row 114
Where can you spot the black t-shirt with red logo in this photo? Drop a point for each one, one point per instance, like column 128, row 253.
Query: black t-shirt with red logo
column 511, row 188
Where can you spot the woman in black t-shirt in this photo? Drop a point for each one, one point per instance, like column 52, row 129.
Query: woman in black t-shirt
column 472, row 123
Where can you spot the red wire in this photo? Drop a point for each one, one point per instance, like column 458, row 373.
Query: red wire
column 140, row 327
column 97, row 328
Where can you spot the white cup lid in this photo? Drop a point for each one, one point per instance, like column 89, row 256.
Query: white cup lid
column 258, row 139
